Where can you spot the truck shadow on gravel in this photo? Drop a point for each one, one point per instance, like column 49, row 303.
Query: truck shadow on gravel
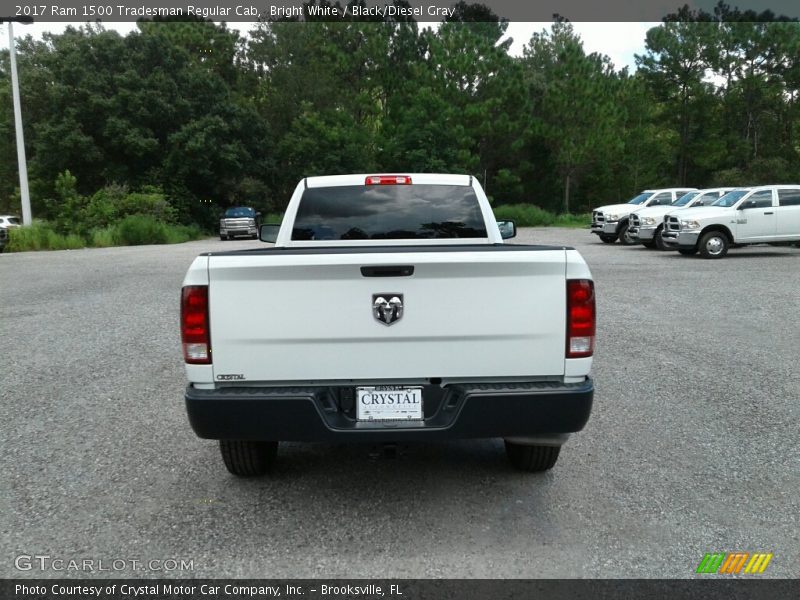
column 353, row 496
column 354, row 459
column 737, row 255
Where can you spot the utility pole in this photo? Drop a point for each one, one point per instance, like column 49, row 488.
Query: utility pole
column 27, row 217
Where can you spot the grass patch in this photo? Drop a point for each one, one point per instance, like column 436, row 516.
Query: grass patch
column 178, row 234
column 134, row 230
column 40, row 236
column 102, row 238
column 530, row 215
column 138, row 230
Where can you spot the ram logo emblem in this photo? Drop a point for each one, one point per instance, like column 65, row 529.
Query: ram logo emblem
column 387, row 308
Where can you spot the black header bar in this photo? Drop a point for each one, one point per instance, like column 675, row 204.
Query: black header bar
column 422, row 11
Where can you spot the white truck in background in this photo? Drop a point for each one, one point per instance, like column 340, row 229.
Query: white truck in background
column 611, row 222
column 647, row 224
column 7, row 222
column 767, row 214
column 388, row 310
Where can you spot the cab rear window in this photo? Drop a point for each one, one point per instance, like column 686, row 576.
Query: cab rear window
column 376, row 212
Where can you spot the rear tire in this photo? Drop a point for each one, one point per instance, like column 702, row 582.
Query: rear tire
column 533, row 459
column 608, row 239
column 651, row 245
column 714, row 244
column 222, row 238
column 688, row 251
column 624, row 238
column 244, row 458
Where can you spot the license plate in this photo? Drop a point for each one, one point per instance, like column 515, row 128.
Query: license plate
column 389, row 403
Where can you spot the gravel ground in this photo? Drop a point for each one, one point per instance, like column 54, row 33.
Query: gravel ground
column 691, row 448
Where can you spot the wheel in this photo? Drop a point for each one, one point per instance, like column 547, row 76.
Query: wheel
column 532, row 458
column 688, row 251
column 222, row 237
column 651, row 244
column 248, row 459
column 714, row 244
column 624, row 237
column 658, row 240
column 608, row 239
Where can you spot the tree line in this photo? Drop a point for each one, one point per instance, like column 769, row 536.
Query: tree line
column 208, row 117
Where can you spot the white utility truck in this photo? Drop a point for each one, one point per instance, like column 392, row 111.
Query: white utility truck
column 768, row 214
column 388, row 310
column 646, row 224
column 612, row 223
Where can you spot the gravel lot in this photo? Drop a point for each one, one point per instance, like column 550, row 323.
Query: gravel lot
column 692, row 446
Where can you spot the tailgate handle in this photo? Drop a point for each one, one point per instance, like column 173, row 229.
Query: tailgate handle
column 388, row 271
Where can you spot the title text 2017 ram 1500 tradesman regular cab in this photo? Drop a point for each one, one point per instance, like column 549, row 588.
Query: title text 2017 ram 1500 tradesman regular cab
column 388, row 310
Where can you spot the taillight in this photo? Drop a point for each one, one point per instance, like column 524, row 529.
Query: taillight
column 195, row 325
column 388, row 180
column 581, row 318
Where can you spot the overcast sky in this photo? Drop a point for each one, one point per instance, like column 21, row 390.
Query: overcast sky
column 619, row 41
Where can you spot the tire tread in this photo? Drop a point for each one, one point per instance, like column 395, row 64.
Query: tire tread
column 246, row 458
column 533, row 459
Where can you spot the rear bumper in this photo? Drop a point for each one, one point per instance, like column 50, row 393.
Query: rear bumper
column 327, row 413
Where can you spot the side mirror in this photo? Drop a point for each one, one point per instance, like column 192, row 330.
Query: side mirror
column 747, row 204
column 507, row 229
column 268, row 233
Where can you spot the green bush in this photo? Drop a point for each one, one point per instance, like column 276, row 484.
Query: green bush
column 115, row 202
column 68, row 205
column 530, row 215
column 138, row 230
column 150, row 201
column 102, row 209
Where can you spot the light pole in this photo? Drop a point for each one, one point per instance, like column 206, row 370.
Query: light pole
column 23, row 166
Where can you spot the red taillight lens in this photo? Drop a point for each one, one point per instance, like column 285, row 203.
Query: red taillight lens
column 388, row 180
column 581, row 318
column 195, row 325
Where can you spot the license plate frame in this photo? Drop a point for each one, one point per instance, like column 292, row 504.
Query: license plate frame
column 392, row 403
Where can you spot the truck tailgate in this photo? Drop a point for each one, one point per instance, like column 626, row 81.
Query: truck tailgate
column 468, row 312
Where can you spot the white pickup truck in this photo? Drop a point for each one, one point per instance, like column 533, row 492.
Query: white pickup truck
column 646, row 224
column 768, row 214
column 612, row 222
column 388, row 310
